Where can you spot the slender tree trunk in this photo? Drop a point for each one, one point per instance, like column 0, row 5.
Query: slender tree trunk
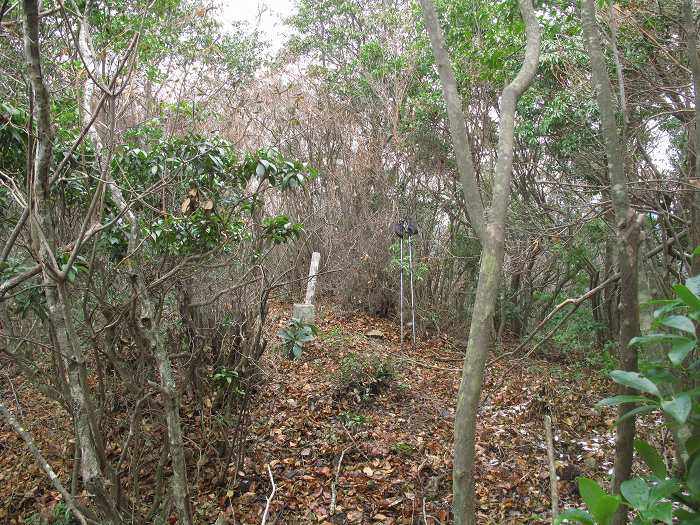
column 44, row 243
column 492, row 235
column 694, row 61
column 146, row 323
column 627, row 224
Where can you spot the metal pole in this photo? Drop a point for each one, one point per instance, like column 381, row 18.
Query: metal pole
column 401, row 289
column 413, row 308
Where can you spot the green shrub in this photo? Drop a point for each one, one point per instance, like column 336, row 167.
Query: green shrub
column 364, row 375
column 295, row 335
column 228, row 379
column 668, row 494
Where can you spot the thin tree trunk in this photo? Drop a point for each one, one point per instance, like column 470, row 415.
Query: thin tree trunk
column 492, row 236
column 458, row 125
column 146, row 323
column 694, row 61
column 44, row 243
column 627, row 224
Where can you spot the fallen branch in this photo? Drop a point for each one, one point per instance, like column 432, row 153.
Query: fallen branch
column 334, row 485
column 357, row 447
column 70, row 502
column 552, row 467
column 426, row 365
column 269, row 498
column 571, row 301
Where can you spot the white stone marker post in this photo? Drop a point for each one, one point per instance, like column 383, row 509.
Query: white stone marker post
column 306, row 311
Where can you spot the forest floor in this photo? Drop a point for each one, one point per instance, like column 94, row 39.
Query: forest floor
column 383, row 459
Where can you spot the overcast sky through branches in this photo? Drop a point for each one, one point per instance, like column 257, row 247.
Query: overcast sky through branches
column 267, row 15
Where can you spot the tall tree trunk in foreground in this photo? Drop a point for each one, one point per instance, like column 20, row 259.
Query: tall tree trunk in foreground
column 491, row 232
column 627, row 224
column 694, row 61
column 44, row 242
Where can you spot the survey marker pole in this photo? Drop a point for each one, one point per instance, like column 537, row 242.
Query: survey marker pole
column 401, row 287
column 410, row 272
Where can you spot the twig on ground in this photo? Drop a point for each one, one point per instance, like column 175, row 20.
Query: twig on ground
column 354, row 442
column 425, row 365
column 334, row 485
column 269, row 498
column 552, row 467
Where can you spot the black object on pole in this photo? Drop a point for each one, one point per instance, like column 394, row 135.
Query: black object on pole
column 407, row 228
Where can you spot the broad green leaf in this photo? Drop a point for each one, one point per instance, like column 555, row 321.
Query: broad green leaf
column 687, row 296
column 655, row 339
column 636, row 412
column 668, row 308
column 696, row 251
column 601, row 505
column 636, row 492
column 690, row 393
column 651, row 457
column 693, row 283
column 678, row 408
column 590, row 491
column 662, row 512
column 679, row 322
column 687, row 517
column 619, row 400
column 260, row 170
column 574, row 516
column 693, row 478
column 693, row 445
column 680, row 349
column 634, row 380
column 663, row 489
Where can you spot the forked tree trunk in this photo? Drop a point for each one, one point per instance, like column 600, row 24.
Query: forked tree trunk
column 492, row 235
column 627, row 223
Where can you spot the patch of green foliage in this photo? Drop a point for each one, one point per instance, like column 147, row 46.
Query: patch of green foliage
column 295, row 335
column 364, row 375
column 403, row 449
column 666, row 495
column 352, row 420
column 336, row 337
column 60, row 516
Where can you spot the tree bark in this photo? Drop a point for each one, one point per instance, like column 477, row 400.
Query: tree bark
column 627, row 224
column 147, row 322
column 458, row 124
column 694, row 61
column 492, row 235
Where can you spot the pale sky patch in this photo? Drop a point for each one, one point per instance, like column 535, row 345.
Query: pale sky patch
column 267, row 15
